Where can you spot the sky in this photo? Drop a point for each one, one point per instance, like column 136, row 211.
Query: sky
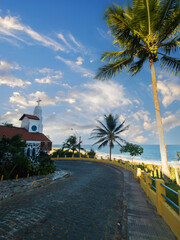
column 51, row 49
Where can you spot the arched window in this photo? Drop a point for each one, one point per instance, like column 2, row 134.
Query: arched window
column 33, row 152
column 28, row 152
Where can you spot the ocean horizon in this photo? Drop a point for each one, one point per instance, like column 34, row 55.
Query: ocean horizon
column 150, row 153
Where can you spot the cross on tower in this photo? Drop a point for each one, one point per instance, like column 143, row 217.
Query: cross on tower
column 38, row 101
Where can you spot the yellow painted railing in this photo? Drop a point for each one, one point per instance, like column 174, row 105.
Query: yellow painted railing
column 156, row 196
column 39, row 180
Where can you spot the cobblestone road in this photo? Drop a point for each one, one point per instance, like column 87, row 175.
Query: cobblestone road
column 87, row 205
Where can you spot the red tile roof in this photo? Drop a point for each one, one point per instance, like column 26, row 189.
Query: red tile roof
column 29, row 116
column 9, row 132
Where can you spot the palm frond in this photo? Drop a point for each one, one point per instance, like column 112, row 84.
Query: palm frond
column 111, row 56
column 102, row 125
column 171, row 64
column 101, row 140
column 119, row 127
column 103, row 144
column 122, row 129
column 170, row 25
column 171, row 46
column 137, row 66
column 111, row 69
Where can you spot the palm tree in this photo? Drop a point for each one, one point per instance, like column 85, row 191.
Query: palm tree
column 71, row 143
column 149, row 30
column 108, row 133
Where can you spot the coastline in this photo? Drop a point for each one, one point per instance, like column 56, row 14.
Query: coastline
column 100, row 155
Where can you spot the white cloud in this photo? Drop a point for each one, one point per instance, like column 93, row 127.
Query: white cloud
column 59, row 126
column 11, row 26
column 79, row 61
column 11, row 117
column 171, row 121
column 7, row 78
column 77, row 68
column 45, row 70
column 137, row 101
column 169, row 90
column 141, row 114
column 30, row 99
column 99, row 96
column 52, row 75
column 140, row 139
column 5, row 66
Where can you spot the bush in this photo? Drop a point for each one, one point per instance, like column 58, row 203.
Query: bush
column 46, row 165
column 91, row 153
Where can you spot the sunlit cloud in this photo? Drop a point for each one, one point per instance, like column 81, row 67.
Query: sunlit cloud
column 99, row 96
column 24, row 101
column 79, row 61
column 170, row 91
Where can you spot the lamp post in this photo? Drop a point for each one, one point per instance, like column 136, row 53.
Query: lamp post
column 80, row 146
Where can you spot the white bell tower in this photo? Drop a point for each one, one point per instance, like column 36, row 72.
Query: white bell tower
column 38, row 113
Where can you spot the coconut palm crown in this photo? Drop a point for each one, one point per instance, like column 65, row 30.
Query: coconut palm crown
column 147, row 31
column 109, row 133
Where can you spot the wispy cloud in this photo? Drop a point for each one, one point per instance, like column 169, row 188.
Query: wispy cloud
column 77, row 68
column 61, row 36
column 103, row 34
column 11, row 26
column 76, row 46
column 74, row 40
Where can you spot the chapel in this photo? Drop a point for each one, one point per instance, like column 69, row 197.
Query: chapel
column 31, row 131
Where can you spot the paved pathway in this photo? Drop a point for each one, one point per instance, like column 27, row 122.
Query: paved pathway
column 94, row 203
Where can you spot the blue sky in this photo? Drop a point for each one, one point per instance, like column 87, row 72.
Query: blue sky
column 51, row 50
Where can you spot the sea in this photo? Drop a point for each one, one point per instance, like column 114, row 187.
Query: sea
column 150, row 153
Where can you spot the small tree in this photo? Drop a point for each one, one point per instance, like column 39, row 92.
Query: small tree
column 177, row 169
column 13, row 160
column 132, row 149
column 91, row 153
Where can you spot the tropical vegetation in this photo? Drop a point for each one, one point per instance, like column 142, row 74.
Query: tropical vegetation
column 108, row 133
column 132, row 149
column 61, row 152
column 73, row 144
column 146, row 31
column 13, row 161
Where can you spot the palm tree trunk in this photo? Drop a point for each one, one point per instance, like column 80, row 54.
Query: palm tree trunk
column 110, row 152
column 163, row 150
